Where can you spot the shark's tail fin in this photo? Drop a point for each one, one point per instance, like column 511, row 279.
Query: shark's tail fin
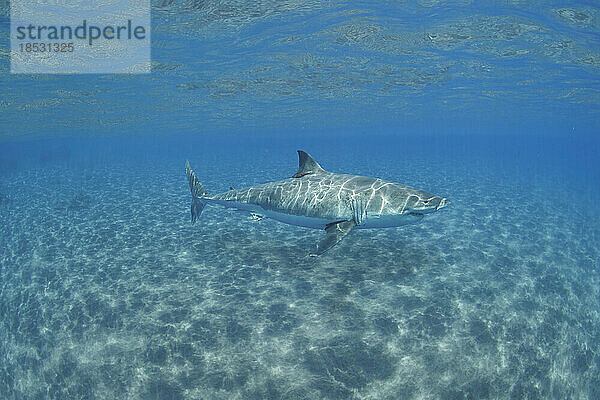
column 198, row 192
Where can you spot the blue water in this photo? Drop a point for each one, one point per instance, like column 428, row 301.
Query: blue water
column 107, row 291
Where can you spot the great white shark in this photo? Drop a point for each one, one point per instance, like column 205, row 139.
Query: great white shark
column 315, row 198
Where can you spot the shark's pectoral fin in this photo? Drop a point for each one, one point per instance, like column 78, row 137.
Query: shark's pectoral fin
column 197, row 207
column 334, row 232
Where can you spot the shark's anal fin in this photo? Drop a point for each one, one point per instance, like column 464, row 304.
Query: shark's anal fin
column 334, row 232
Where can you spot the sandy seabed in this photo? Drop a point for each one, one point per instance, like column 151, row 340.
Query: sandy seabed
column 108, row 292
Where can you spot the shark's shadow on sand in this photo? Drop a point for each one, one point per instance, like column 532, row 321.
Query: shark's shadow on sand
column 76, row 203
column 269, row 243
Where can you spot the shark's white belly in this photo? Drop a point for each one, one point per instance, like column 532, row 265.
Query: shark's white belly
column 388, row 221
column 298, row 220
column 291, row 219
column 371, row 221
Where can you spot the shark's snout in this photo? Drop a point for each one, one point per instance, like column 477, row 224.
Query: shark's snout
column 432, row 204
column 443, row 202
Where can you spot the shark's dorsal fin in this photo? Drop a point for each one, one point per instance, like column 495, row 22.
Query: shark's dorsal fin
column 307, row 165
